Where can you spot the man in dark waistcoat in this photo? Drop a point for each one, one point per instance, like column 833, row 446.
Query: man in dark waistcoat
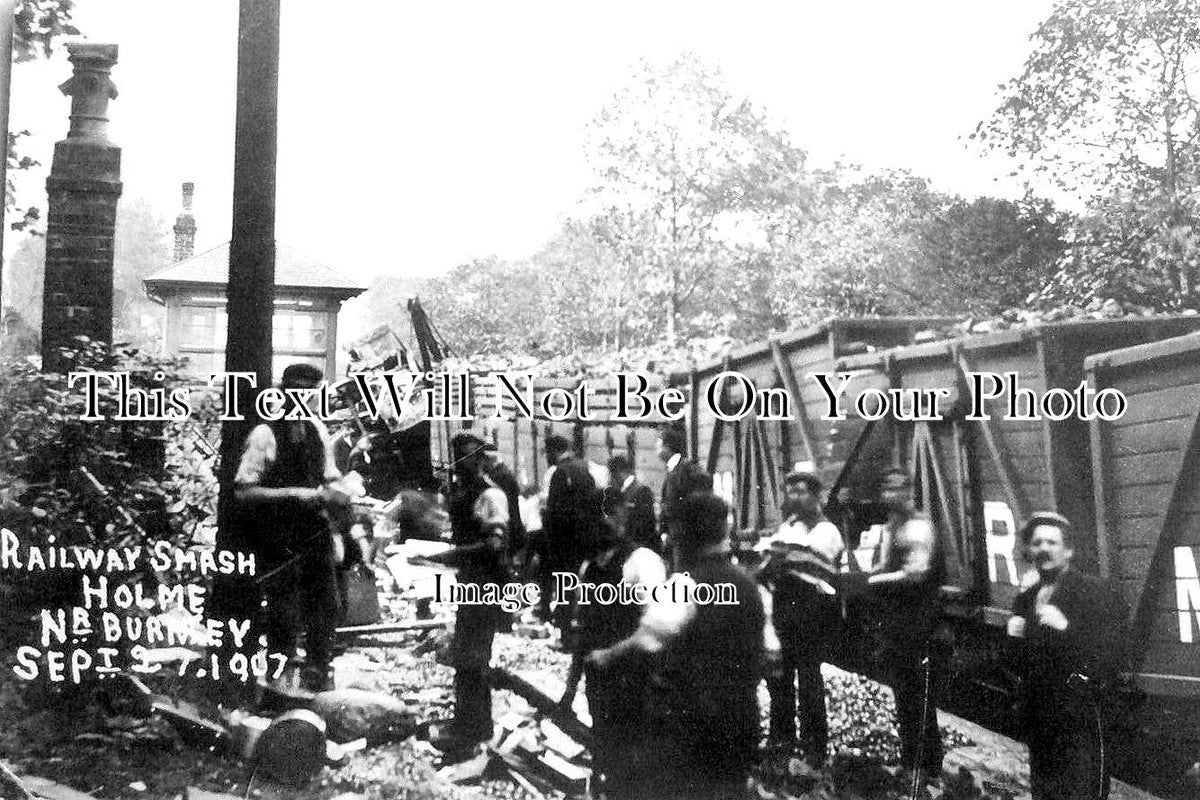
column 683, row 476
column 571, row 511
column 615, row 697
column 1069, row 629
column 282, row 490
column 502, row 475
column 707, row 657
column 800, row 569
column 905, row 587
column 629, row 503
column 478, row 526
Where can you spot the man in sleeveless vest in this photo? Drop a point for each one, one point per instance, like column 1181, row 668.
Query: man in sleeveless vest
column 906, row 583
column 282, row 488
column 478, row 525
column 615, row 697
column 801, row 568
column 1069, row 628
column 707, row 657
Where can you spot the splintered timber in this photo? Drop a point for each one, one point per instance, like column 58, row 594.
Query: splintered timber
column 451, row 396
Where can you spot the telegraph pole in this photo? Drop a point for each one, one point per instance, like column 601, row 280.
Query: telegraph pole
column 250, row 297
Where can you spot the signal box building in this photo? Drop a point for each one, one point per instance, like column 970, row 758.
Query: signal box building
column 308, row 296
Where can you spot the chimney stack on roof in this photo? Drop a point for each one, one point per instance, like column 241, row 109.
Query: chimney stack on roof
column 185, row 226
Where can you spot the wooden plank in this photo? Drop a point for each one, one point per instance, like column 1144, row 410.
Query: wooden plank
column 784, row 370
column 1164, row 403
column 1145, row 376
column 1157, row 467
column 1048, row 449
column 943, row 493
column 693, row 414
column 768, row 462
column 1167, row 536
column 1013, row 490
column 718, row 431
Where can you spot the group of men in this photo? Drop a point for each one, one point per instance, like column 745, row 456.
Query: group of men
column 672, row 685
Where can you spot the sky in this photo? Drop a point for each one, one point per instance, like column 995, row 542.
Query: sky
column 415, row 136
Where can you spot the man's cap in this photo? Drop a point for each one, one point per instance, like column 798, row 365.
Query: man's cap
column 467, row 442
column 807, row 476
column 1044, row 518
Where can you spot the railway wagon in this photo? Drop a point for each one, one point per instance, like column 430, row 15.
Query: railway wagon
column 1146, row 477
column 980, row 479
column 747, row 457
column 520, row 434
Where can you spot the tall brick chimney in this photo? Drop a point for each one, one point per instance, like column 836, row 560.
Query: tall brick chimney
column 82, row 193
column 185, row 226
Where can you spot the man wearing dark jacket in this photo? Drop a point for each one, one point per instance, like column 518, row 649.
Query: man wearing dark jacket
column 478, row 524
column 707, row 658
column 1069, row 628
column 684, row 476
column 571, row 508
column 906, row 584
column 629, row 504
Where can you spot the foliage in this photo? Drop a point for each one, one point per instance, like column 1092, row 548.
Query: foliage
column 139, row 249
column 49, row 457
column 1105, row 107
column 703, row 222
column 887, row 244
column 1133, row 250
column 685, row 174
column 35, row 27
column 37, row 24
column 487, row 306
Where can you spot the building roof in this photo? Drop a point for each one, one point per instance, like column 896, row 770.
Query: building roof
column 293, row 270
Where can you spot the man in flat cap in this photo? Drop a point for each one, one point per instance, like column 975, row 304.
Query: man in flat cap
column 479, row 531
column 800, row 569
column 1069, row 628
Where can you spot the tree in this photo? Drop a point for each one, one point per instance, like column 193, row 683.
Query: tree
column 1105, row 107
column 888, row 244
column 37, row 24
column 140, row 249
column 984, row 256
column 685, row 173
column 487, row 306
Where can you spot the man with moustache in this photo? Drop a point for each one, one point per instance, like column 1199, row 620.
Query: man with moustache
column 801, row 568
column 1069, row 629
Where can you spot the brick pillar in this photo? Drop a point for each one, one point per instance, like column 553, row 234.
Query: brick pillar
column 82, row 193
column 185, row 227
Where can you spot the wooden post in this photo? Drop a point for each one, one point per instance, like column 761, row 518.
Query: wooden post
column 7, row 10
column 251, row 288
